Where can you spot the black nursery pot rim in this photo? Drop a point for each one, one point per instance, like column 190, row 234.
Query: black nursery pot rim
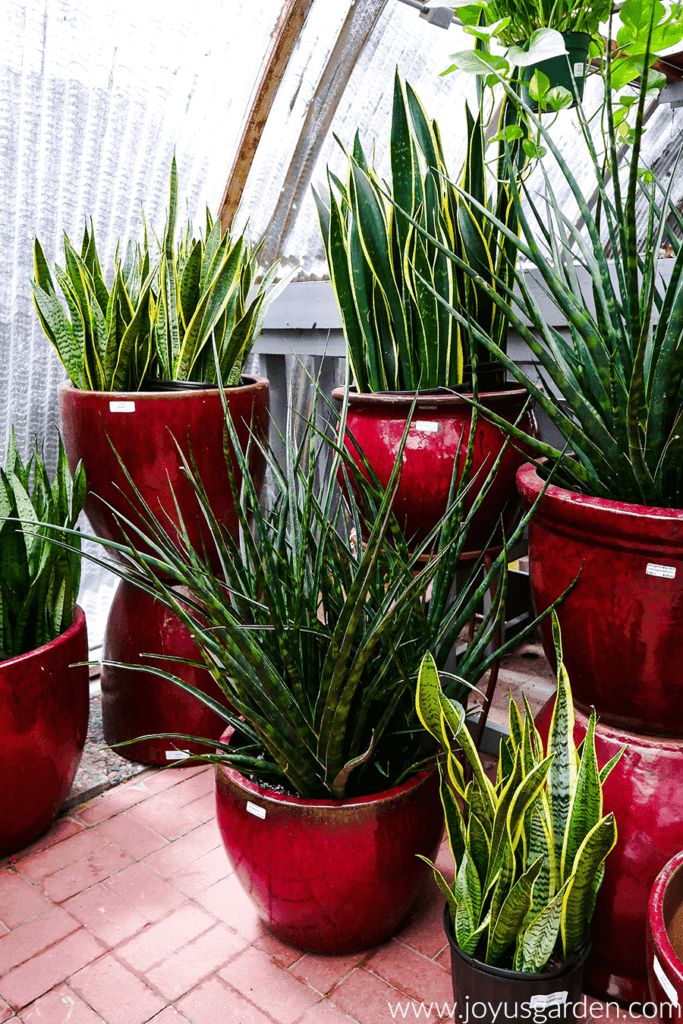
column 505, row 973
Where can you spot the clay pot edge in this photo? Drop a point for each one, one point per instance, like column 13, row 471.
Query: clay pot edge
column 255, row 382
column 661, row 942
column 285, row 800
column 74, row 628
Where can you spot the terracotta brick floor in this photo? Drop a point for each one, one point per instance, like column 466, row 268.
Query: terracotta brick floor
column 127, row 912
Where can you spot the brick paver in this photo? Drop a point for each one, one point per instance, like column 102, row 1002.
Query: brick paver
column 131, row 914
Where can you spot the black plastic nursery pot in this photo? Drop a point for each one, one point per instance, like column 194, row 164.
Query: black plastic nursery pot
column 567, row 70
column 489, row 995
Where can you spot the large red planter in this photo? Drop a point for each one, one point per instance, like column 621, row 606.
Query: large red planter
column 43, row 724
column 328, row 876
column 143, row 428
column 665, row 941
column 645, row 792
column 440, row 423
column 622, row 622
column 140, row 703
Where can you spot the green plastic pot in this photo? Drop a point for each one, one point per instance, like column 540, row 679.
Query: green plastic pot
column 559, row 70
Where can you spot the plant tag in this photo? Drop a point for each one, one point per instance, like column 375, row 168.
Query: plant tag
column 122, row 407
column 177, row 755
column 258, row 812
column 664, row 981
column 426, row 426
column 579, row 70
column 551, row 999
column 666, row 572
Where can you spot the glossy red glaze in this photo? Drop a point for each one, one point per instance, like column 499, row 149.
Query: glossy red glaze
column 139, row 703
column 665, row 941
column 621, row 626
column 439, row 423
column 44, row 707
column 645, row 792
column 328, row 876
column 145, row 441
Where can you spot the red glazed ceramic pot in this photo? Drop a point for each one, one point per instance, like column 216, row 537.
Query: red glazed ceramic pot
column 329, row 876
column 440, row 423
column 143, row 428
column 140, row 703
column 665, row 941
column 44, row 707
column 621, row 623
column 645, row 792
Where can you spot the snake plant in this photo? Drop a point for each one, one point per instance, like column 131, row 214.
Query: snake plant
column 38, row 580
column 618, row 376
column 164, row 311
column 529, row 849
column 385, row 274
column 207, row 294
column 316, row 639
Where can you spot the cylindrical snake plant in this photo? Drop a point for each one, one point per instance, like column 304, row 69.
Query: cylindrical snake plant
column 529, row 849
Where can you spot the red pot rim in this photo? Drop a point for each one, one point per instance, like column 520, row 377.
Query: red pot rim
column 284, row 800
column 256, row 383
column 76, row 627
column 660, row 935
column 616, row 518
column 405, row 400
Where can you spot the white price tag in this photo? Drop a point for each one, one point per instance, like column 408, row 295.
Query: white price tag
column 177, row 755
column 122, row 407
column 579, row 70
column 664, row 981
column 426, row 426
column 666, row 572
column 551, row 999
column 258, row 812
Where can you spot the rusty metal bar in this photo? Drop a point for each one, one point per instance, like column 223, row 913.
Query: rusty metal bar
column 284, row 38
column 357, row 29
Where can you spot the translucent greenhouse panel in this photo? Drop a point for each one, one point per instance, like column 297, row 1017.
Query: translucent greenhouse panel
column 94, row 99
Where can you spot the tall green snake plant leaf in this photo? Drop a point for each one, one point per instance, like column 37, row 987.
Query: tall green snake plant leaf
column 38, row 580
column 387, row 275
column 530, row 848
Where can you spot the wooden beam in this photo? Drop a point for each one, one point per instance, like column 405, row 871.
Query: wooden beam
column 356, row 31
column 283, row 40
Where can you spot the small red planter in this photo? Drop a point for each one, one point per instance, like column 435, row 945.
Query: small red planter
column 44, row 707
column 621, row 623
column 143, row 428
column 439, row 422
column 139, row 703
column 329, row 876
column 665, row 941
column 645, row 792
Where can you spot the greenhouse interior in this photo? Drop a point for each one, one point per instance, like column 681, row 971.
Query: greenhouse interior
column 341, row 511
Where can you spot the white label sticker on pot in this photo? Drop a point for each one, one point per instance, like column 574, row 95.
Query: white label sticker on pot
column 667, row 572
column 258, row 812
column 122, row 407
column 579, row 70
column 551, row 999
column 427, row 426
column 664, row 981
column 177, row 755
